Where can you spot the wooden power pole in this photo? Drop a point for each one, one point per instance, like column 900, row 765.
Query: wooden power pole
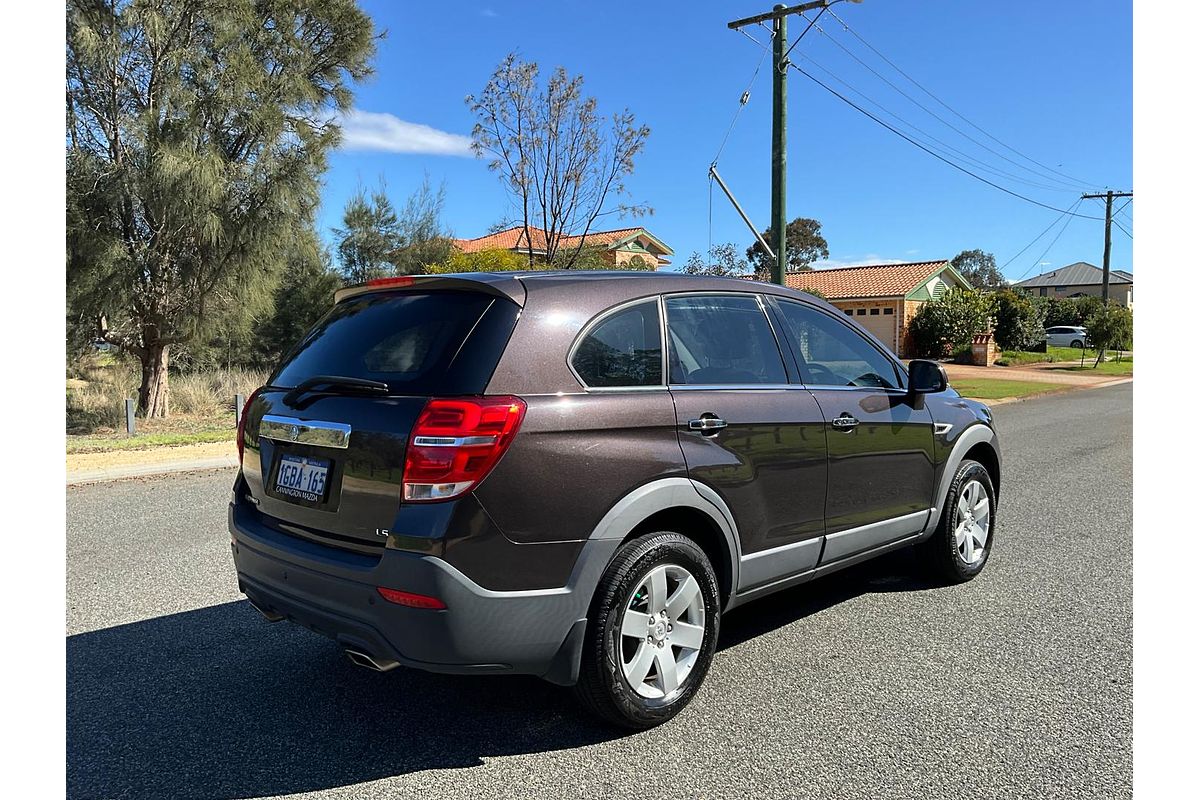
column 779, row 69
column 1107, row 197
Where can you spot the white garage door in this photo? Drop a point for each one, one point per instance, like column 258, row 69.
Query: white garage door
column 882, row 324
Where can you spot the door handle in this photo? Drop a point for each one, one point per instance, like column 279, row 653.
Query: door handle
column 844, row 422
column 707, row 424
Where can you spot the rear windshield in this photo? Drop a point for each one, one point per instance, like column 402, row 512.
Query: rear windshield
column 405, row 339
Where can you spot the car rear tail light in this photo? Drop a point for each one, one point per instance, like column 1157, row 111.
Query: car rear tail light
column 456, row 442
column 241, row 430
column 410, row 599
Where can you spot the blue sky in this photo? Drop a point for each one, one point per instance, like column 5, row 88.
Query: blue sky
column 1051, row 80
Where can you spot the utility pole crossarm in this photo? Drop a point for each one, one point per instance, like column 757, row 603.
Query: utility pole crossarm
column 779, row 12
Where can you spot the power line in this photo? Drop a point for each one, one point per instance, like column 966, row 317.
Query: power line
column 1122, row 208
column 745, row 98
column 1035, row 240
column 968, row 157
column 936, row 155
column 1071, row 186
column 945, row 105
column 1048, row 247
column 1121, row 228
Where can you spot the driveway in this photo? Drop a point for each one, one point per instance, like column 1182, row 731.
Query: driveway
column 873, row 683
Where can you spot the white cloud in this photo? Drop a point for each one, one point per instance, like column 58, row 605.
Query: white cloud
column 374, row 131
column 489, row 13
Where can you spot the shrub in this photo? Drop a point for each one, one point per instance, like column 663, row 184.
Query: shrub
column 483, row 261
column 1070, row 310
column 946, row 325
column 1110, row 327
column 1019, row 320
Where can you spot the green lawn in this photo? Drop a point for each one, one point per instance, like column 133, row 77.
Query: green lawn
column 1123, row 367
column 101, row 444
column 1054, row 355
column 995, row 388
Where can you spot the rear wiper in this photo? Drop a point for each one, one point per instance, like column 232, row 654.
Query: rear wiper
column 361, row 385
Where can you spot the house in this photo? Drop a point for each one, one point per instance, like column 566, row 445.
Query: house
column 1081, row 279
column 636, row 247
column 883, row 298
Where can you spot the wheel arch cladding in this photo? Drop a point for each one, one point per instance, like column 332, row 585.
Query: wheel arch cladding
column 985, row 454
column 698, row 526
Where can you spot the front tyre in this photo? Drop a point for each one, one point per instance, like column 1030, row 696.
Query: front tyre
column 962, row 542
column 651, row 632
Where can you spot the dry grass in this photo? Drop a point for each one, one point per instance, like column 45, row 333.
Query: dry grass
column 98, row 385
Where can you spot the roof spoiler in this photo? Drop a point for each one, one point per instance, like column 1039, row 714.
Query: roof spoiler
column 498, row 284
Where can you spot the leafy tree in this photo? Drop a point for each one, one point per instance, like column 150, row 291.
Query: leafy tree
column 805, row 244
column 423, row 240
column 196, row 134
column 722, row 262
column 979, row 268
column 1109, row 327
column 483, row 261
column 561, row 162
column 943, row 326
column 303, row 297
column 1019, row 320
column 370, row 237
column 1070, row 310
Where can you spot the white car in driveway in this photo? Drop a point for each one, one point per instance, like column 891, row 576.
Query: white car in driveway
column 1066, row 336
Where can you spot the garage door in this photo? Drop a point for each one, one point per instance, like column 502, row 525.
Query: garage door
column 881, row 324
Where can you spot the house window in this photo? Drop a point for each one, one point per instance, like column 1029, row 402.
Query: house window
column 874, row 312
column 1060, row 288
column 849, row 312
column 1041, row 291
column 887, row 311
column 862, row 312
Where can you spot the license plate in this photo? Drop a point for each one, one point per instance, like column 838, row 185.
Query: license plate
column 302, row 477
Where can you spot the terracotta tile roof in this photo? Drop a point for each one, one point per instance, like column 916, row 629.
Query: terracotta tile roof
column 514, row 239
column 877, row 280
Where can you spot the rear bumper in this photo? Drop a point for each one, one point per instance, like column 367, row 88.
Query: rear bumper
column 333, row 592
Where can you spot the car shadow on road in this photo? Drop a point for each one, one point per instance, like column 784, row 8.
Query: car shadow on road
column 216, row 703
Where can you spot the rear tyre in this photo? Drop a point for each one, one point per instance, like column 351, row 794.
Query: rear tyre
column 959, row 547
column 1077, row 343
column 651, row 633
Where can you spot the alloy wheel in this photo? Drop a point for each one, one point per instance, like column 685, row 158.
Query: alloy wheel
column 662, row 631
column 973, row 519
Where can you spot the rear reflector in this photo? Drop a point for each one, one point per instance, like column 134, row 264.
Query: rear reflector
column 241, row 431
column 456, row 442
column 410, row 599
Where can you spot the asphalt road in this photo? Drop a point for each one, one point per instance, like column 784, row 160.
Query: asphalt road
column 872, row 683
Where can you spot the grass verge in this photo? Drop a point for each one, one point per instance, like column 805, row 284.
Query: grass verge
column 996, row 388
column 105, row 444
column 1103, row 368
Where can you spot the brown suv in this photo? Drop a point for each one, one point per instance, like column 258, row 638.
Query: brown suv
column 574, row 475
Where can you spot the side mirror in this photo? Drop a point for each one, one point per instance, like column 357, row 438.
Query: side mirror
column 926, row 377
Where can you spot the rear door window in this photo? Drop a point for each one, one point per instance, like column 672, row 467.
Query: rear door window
column 832, row 353
column 721, row 340
column 622, row 349
column 405, row 339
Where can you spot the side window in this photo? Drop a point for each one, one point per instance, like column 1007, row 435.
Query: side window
column 721, row 339
column 833, row 354
column 624, row 349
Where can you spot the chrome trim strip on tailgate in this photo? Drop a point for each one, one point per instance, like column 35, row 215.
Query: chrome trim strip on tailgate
column 304, row 431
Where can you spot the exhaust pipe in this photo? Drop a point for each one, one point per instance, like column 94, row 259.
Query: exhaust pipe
column 270, row 616
column 369, row 661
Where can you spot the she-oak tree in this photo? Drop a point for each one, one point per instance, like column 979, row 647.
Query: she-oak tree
column 196, row 134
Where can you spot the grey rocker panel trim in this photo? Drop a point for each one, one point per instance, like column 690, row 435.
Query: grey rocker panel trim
column 865, row 537
column 972, row 436
column 766, row 566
